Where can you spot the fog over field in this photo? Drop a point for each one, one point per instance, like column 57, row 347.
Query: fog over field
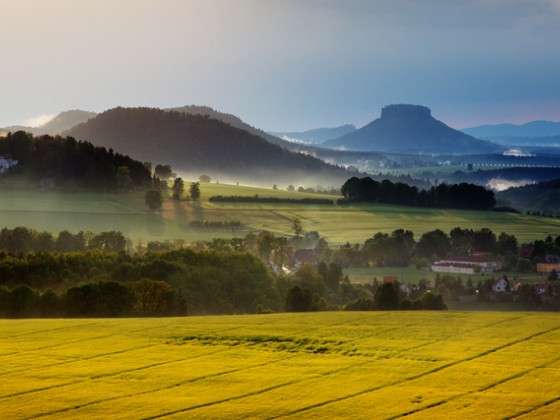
column 218, row 209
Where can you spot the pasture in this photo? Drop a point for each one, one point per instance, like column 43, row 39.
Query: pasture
column 55, row 211
column 381, row 365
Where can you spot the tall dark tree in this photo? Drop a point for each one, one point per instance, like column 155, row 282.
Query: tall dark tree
column 153, row 199
column 195, row 191
column 163, row 171
column 178, row 188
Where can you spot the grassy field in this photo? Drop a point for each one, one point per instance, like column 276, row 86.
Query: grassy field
column 56, row 211
column 324, row 365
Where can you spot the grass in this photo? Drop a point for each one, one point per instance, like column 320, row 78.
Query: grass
column 56, row 211
column 322, row 365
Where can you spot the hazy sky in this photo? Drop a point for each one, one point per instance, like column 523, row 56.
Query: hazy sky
column 283, row 64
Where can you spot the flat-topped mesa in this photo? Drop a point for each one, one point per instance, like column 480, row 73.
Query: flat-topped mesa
column 405, row 111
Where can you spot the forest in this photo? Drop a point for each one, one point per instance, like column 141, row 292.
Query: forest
column 64, row 161
column 456, row 196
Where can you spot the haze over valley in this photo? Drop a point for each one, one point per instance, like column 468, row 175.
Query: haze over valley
column 330, row 209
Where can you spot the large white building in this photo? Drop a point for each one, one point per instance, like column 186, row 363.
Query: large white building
column 477, row 263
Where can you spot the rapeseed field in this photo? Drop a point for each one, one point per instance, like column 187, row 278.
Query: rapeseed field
column 372, row 365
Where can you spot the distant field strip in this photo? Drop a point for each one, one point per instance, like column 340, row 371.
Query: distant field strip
column 56, row 211
column 384, row 365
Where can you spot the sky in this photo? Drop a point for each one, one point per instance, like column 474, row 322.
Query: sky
column 283, row 65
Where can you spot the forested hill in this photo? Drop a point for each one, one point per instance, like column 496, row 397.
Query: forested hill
column 198, row 143
column 57, row 161
column 544, row 196
column 232, row 120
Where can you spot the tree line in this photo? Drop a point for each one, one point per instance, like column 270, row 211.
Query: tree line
column 24, row 240
column 101, row 299
column 454, row 196
column 66, row 161
column 274, row 200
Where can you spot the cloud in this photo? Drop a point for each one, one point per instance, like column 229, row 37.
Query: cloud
column 39, row 120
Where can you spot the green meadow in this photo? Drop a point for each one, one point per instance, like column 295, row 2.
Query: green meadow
column 375, row 365
column 55, row 211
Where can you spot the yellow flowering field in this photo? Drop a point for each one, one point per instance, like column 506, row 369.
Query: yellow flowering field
column 384, row 365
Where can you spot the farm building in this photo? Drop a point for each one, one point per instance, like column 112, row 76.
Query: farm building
column 550, row 263
column 476, row 263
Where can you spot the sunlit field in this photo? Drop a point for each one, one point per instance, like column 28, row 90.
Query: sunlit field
column 56, row 211
column 321, row 365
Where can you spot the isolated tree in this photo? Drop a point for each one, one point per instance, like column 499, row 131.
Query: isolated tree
column 291, row 188
column 178, row 188
column 195, row 191
column 507, row 244
column 163, row 171
column 124, row 181
column 153, row 199
column 151, row 296
column 299, row 300
column 297, row 227
column 387, row 296
column 275, row 187
column 433, row 244
column 206, row 179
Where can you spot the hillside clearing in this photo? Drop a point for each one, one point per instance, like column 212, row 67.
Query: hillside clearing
column 321, row 365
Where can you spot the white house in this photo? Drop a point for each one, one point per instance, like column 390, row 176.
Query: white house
column 501, row 286
column 6, row 163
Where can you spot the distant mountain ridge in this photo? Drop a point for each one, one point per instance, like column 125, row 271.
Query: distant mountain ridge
column 316, row 135
column 62, row 122
column 230, row 119
column 539, row 128
column 195, row 142
column 404, row 128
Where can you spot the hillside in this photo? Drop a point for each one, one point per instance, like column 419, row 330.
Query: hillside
column 195, row 144
column 55, row 161
column 531, row 129
column 435, row 364
column 230, row 119
column 411, row 129
column 544, row 196
column 65, row 121
column 62, row 122
column 316, row 135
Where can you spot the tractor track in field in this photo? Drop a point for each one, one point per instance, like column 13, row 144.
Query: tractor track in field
column 419, row 375
column 479, row 390
column 61, row 385
column 324, row 374
column 139, row 368
column 81, row 340
column 108, row 375
column 47, row 330
column 87, row 339
column 261, row 391
column 78, row 406
column 164, row 388
column 533, row 408
column 81, row 359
